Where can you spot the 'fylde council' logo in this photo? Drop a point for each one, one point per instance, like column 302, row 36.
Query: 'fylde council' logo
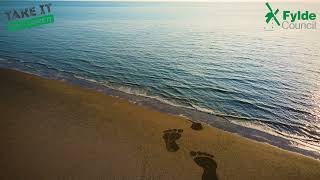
column 290, row 20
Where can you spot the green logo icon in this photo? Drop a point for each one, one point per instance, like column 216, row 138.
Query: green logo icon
column 272, row 15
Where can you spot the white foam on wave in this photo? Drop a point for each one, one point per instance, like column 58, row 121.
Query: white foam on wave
column 140, row 92
column 126, row 89
column 84, row 78
column 184, row 116
column 202, row 109
column 296, row 140
column 130, row 90
column 165, row 101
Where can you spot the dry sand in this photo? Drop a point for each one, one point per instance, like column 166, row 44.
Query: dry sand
column 51, row 130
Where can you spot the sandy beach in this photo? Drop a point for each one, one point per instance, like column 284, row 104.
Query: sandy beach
column 52, row 130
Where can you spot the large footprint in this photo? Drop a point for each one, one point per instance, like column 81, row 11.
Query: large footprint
column 170, row 136
column 205, row 161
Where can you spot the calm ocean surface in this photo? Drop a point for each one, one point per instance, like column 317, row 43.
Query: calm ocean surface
column 213, row 57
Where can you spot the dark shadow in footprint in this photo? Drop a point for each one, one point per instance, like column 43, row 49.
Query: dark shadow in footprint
column 196, row 126
column 170, row 136
column 207, row 163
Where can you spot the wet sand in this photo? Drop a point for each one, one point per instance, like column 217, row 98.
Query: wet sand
column 52, row 130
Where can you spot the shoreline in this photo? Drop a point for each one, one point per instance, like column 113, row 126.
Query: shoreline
column 222, row 121
column 54, row 129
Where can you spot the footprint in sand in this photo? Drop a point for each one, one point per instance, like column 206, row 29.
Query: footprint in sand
column 196, row 126
column 206, row 162
column 170, row 136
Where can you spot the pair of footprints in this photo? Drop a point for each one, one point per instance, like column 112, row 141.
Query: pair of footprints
column 204, row 160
